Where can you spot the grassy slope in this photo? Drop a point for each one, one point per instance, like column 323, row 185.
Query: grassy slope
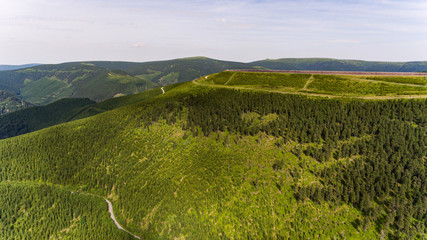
column 182, row 185
column 322, row 85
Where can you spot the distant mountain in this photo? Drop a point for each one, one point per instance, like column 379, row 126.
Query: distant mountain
column 16, row 67
column 173, row 71
column 47, row 83
column 101, row 80
column 328, row 64
column 10, row 102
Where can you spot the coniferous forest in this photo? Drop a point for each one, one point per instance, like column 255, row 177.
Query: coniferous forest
column 200, row 162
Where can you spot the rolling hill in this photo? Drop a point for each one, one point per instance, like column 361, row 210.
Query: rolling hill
column 328, row 64
column 35, row 118
column 46, row 83
column 219, row 161
column 173, row 71
column 101, row 80
column 16, row 67
column 61, row 111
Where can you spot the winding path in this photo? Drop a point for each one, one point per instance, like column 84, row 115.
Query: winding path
column 110, row 209
column 162, row 90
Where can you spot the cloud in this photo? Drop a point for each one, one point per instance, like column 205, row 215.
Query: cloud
column 139, row 44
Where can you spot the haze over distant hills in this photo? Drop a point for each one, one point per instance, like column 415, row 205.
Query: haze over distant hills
column 15, row 67
column 100, row 80
column 329, row 64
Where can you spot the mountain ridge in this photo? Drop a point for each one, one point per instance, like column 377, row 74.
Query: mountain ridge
column 4, row 67
column 100, row 80
column 199, row 161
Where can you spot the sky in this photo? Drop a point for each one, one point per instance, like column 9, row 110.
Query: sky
column 54, row 31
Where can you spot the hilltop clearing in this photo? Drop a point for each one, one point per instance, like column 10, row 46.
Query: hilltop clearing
column 324, row 84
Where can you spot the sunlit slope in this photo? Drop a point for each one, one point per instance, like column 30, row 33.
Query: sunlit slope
column 369, row 86
column 200, row 162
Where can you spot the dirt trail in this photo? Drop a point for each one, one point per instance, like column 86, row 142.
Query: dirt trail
column 111, row 210
column 310, row 80
column 163, row 91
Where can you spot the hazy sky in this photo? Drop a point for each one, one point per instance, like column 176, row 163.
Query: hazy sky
column 53, row 31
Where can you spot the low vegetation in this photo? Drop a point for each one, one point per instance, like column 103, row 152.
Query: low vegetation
column 323, row 85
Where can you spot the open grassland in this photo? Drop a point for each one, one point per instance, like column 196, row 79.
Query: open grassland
column 359, row 86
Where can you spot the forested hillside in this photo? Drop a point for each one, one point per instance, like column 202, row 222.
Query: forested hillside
column 10, row 103
column 209, row 162
column 173, row 71
column 35, row 118
column 40, row 211
column 99, row 81
column 46, row 83
column 15, row 67
column 328, row 64
column 65, row 110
